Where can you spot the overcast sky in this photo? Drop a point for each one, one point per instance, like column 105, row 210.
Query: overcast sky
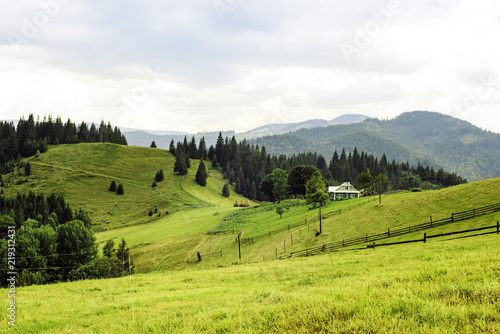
column 209, row 65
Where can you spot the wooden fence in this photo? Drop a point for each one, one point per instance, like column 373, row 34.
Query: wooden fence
column 496, row 227
column 395, row 232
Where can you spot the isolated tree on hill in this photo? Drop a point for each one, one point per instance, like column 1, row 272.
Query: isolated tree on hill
column 159, row 176
column 112, row 186
column 153, row 144
column 225, row 190
column 280, row 210
column 180, row 166
column 201, row 174
column 120, row 190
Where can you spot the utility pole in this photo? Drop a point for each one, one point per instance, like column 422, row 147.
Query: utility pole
column 320, row 226
column 123, row 258
column 379, row 191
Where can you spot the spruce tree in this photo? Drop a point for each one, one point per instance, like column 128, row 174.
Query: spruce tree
column 201, row 174
column 153, row 144
column 180, row 166
column 225, row 190
column 119, row 190
column 112, row 186
column 27, row 169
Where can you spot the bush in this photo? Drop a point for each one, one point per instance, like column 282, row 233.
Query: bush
column 416, row 190
column 154, row 184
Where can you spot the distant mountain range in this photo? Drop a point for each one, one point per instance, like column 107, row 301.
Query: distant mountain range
column 138, row 137
column 429, row 137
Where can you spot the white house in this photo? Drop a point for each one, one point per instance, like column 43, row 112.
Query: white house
column 344, row 191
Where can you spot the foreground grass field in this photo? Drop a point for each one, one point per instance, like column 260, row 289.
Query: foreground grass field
column 439, row 287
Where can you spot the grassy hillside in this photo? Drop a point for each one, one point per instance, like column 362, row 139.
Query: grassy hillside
column 436, row 287
column 83, row 173
column 358, row 217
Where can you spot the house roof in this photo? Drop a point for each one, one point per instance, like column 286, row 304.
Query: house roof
column 343, row 185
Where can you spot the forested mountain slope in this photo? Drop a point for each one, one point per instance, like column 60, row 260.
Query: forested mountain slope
column 429, row 137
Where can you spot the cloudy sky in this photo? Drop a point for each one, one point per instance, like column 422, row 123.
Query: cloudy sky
column 209, row 65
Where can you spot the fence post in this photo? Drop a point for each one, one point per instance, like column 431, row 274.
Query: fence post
column 452, row 218
column 389, row 232
column 239, row 246
column 498, row 228
column 425, row 238
column 288, row 227
column 199, row 256
column 269, row 234
column 431, row 221
column 366, row 240
column 373, row 245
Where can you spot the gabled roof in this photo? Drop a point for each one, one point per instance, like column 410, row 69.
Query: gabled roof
column 343, row 185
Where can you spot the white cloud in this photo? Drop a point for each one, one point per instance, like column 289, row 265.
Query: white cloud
column 278, row 61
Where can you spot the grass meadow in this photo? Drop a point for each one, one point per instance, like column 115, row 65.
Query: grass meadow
column 439, row 287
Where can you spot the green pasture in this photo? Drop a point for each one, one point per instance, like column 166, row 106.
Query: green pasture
column 438, row 287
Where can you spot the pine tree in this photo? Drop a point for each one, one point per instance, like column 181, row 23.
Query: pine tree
column 180, row 166
column 225, row 190
column 201, row 174
column 120, row 190
column 27, row 169
column 153, row 144
column 112, row 186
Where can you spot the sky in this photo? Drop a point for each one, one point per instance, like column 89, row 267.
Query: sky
column 211, row 65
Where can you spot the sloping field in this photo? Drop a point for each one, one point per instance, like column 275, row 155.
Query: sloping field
column 83, row 173
column 439, row 287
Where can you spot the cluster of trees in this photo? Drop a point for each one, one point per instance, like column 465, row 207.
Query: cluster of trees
column 31, row 136
column 116, row 188
column 248, row 166
column 51, row 241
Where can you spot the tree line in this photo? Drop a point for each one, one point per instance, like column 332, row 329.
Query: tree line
column 247, row 166
column 31, row 136
column 52, row 242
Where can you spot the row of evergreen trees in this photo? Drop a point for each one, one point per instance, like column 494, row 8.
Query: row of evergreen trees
column 247, row 166
column 31, row 136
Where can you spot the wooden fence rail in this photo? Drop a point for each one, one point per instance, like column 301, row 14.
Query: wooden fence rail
column 395, row 232
column 496, row 227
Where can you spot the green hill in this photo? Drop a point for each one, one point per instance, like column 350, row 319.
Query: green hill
column 83, row 173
